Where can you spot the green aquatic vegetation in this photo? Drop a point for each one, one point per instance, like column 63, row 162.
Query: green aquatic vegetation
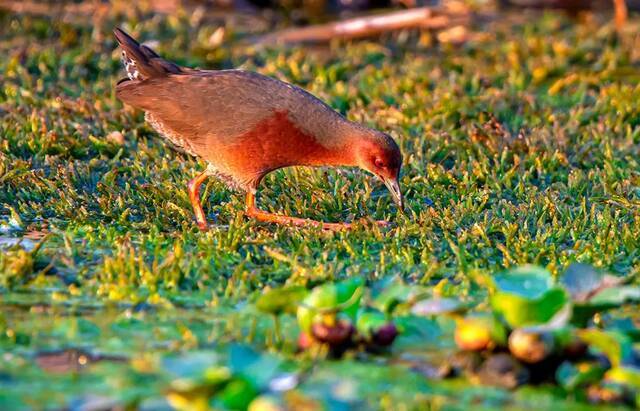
column 520, row 147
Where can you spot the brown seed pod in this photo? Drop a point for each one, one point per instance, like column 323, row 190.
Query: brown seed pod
column 385, row 335
column 473, row 334
column 531, row 346
column 304, row 341
column 334, row 335
column 504, row 371
column 575, row 349
column 598, row 394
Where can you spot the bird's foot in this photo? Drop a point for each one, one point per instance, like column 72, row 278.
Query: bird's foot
column 377, row 223
column 295, row 221
column 202, row 225
column 382, row 223
column 304, row 222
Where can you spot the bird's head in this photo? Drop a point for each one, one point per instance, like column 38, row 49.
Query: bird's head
column 379, row 154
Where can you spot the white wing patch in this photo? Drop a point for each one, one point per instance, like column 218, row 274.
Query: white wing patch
column 130, row 67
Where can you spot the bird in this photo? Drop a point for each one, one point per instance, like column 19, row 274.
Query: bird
column 245, row 125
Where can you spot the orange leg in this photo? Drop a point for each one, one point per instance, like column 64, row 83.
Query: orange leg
column 621, row 13
column 194, row 195
column 255, row 212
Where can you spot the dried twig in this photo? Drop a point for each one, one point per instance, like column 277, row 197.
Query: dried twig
column 33, row 7
column 367, row 26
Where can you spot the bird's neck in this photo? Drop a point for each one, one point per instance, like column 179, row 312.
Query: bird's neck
column 333, row 145
column 340, row 154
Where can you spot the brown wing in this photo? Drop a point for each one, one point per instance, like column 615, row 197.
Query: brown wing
column 210, row 108
column 206, row 109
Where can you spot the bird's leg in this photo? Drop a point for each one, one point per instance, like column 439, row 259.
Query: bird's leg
column 264, row 216
column 194, row 196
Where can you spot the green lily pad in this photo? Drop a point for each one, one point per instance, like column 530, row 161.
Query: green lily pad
column 571, row 376
column 191, row 366
column 237, row 394
column 417, row 332
column 530, row 282
column 195, row 391
column 604, row 300
column 624, row 375
column 396, row 294
column 331, row 298
column 626, row 326
column 281, row 300
column 617, row 347
column 617, row 296
column 581, row 281
column 592, row 292
column 437, row 306
column 527, row 296
column 370, row 321
column 260, row 368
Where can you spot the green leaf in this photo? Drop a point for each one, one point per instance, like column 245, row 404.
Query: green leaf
column 417, row 332
column 626, row 326
column 617, row 347
column 192, row 365
column 349, row 294
column 582, row 313
column 280, row 300
column 370, row 321
column 580, row 280
column 616, row 296
column 437, row 306
column 258, row 367
column 571, row 376
column 529, row 282
column 527, row 296
column 624, row 375
column 604, row 300
column 237, row 394
column 593, row 292
column 396, row 294
column 328, row 298
column 519, row 311
column 194, row 392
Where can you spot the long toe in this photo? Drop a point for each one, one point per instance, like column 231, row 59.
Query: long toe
column 334, row 226
column 295, row 221
column 202, row 225
column 383, row 223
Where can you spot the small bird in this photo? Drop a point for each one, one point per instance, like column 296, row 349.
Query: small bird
column 246, row 125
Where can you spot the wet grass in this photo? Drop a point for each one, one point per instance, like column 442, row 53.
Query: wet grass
column 519, row 147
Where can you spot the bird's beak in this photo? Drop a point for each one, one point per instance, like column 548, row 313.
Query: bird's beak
column 394, row 188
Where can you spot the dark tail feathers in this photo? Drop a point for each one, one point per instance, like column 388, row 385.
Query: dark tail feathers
column 140, row 61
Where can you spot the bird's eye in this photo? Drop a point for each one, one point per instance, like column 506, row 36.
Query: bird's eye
column 378, row 163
